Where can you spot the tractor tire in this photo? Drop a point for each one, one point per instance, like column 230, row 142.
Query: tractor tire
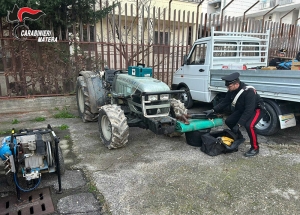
column 186, row 97
column 177, row 108
column 269, row 124
column 113, row 127
column 83, row 101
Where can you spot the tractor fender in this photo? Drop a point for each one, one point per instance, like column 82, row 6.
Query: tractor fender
column 95, row 88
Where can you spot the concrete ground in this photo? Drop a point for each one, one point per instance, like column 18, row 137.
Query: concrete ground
column 160, row 175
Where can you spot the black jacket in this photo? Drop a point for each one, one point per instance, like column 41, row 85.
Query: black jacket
column 275, row 61
column 246, row 103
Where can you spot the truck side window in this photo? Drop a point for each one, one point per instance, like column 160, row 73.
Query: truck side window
column 198, row 55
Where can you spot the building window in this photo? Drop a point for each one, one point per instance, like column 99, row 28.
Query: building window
column 161, row 43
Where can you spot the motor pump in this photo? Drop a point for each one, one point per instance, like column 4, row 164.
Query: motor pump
column 30, row 153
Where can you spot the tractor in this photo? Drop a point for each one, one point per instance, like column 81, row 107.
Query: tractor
column 121, row 99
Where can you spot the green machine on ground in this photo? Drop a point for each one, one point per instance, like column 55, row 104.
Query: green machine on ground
column 122, row 99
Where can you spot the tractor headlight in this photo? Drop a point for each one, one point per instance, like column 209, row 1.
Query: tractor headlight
column 152, row 98
column 164, row 97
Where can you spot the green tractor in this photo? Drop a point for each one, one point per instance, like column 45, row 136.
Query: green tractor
column 119, row 100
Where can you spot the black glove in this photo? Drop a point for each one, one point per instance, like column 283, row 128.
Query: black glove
column 235, row 129
column 208, row 112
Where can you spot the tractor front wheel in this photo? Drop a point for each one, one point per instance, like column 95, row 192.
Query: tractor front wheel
column 113, row 127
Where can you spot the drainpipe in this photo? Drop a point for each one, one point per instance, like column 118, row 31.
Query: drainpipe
column 285, row 15
column 245, row 14
column 263, row 21
column 222, row 14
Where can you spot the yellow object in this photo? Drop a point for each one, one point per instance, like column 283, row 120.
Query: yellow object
column 227, row 140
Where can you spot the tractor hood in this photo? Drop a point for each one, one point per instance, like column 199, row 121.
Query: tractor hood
column 127, row 84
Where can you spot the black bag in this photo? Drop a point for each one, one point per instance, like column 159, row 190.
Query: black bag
column 213, row 146
column 193, row 138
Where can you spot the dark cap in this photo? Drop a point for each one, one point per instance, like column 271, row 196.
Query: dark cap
column 232, row 78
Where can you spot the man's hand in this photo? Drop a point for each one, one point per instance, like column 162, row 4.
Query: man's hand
column 208, row 112
column 235, row 129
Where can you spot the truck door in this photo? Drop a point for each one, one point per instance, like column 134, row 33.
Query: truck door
column 196, row 72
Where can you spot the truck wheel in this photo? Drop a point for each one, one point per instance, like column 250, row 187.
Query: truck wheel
column 113, row 127
column 83, row 101
column 269, row 124
column 177, row 108
column 186, row 97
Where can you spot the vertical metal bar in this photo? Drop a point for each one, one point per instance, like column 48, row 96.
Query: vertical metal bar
column 142, row 35
column 201, row 27
column 126, row 40
column 137, row 32
column 120, row 66
column 225, row 23
column 114, row 37
column 209, row 25
column 159, row 44
column 131, row 35
column 153, row 42
column 169, row 43
column 101, row 38
column 173, row 47
column 178, row 38
column 108, row 38
column 148, row 41
column 182, row 38
column 164, row 46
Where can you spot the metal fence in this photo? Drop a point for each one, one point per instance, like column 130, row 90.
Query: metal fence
column 157, row 37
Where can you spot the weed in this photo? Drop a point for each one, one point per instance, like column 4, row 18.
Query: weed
column 15, row 121
column 92, row 188
column 5, row 132
column 63, row 127
column 67, row 137
column 64, row 113
column 40, row 119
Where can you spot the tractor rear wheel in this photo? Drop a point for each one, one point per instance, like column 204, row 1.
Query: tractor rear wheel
column 177, row 109
column 113, row 127
column 83, row 101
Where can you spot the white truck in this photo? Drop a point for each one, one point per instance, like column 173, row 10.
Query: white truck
column 226, row 52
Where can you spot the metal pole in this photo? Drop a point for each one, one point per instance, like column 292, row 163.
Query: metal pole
column 246, row 12
column 197, row 18
column 285, row 15
column 222, row 14
column 263, row 21
column 296, row 21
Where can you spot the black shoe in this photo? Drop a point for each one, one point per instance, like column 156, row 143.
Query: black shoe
column 251, row 152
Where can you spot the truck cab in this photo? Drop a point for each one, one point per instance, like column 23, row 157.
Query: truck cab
column 223, row 50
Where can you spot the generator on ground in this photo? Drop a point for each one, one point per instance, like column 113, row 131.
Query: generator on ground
column 30, row 153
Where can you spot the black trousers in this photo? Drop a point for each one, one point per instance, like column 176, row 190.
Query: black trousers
column 232, row 120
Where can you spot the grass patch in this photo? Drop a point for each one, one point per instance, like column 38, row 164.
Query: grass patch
column 5, row 132
column 39, row 119
column 63, row 127
column 92, row 188
column 63, row 113
column 67, row 137
column 15, row 121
